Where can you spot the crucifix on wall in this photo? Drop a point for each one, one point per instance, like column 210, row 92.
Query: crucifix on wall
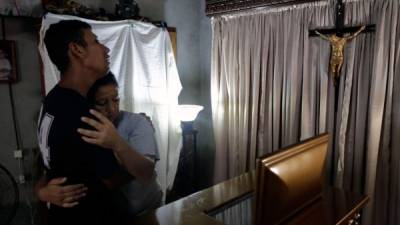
column 338, row 37
column 338, row 45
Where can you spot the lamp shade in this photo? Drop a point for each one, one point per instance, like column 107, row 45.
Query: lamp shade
column 189, row 112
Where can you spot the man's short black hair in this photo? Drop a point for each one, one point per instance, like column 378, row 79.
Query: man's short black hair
column 103, row 81
column 58, row 37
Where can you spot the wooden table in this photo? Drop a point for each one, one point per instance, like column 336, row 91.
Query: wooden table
column 335, row 207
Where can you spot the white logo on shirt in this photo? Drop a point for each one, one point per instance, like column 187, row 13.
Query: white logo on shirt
column 43, row 138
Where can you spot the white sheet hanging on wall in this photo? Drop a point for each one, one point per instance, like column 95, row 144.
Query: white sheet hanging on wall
column 142, row 60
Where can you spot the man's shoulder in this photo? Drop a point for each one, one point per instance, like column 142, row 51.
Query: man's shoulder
column 63, row 93
column 65, row 107
column 61, row 98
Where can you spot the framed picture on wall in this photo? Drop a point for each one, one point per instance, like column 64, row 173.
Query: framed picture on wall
column 8, row 61
column 29, row 8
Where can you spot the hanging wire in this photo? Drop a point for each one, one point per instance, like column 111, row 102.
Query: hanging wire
column 14, row 116
column 17, row 8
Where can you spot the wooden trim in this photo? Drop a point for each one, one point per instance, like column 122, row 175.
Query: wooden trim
column 171, row 29
column 368, row 29
column 295, row 149
column 356, row 209
column 21, row 17
column 215, row 7
column 241, row 198
column 173, row 38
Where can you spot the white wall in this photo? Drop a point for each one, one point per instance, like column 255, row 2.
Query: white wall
column 194, row 57
column 27, row 101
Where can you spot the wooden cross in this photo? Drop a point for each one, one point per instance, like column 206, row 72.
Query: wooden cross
column 338, row 39
column 340, row 29
column 337, row 36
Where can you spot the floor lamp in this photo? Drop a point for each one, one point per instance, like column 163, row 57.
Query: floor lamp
column 187, row 159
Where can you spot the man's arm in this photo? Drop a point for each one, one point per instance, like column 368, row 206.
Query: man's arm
column 106, row 136
column 63, row 196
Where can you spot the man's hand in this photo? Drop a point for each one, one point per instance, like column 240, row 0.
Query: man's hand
column 104, row 135
column 63, row 196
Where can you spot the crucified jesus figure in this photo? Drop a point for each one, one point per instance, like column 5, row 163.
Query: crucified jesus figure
column 337, row 52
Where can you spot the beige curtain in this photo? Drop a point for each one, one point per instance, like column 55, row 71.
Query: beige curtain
column 385, row 99
column 270, row 88
column 269, row 84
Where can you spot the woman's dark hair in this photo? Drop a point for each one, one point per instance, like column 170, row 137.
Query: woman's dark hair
column 106, row 80
column 59, row 36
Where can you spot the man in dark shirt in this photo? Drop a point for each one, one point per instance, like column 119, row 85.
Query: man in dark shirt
column 81, row 60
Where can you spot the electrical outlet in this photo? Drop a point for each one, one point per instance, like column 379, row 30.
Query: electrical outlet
column 18, row 154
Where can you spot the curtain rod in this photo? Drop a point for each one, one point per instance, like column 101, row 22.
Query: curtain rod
column 220, row 7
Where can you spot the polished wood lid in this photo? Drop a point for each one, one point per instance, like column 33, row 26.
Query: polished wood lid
column 194, row 208
column 335, row 207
